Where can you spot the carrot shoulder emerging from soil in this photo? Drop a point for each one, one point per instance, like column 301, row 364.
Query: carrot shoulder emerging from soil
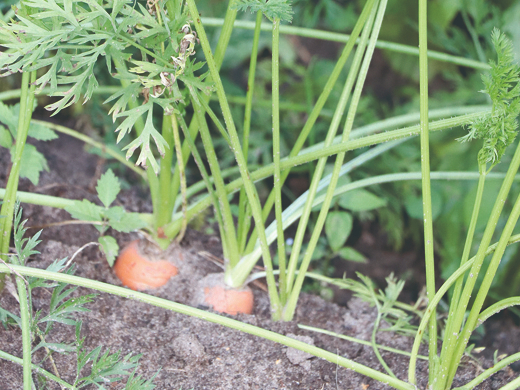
column 139, row 273
column 213, row 292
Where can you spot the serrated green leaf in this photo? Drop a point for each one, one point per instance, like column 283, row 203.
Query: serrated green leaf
column 129, row 222
column 114, row 214
column 110, row 248
column 6, row 140
column 351, row 254
column 107, row 188
column 271, row 9
column 143, row 141
column 85, row 211
column 9, row 116
column 32, row 164
column 41, row 133
column 338, row 226
column 360, row 200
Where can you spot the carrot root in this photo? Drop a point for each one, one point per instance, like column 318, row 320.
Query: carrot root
column 139, row 273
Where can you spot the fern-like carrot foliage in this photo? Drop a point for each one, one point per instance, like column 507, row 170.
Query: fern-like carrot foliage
column 499, row 128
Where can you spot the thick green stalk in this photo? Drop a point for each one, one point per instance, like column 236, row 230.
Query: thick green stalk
column 244, row 211
column 318, row 171
column 446, row 364
column 166, row 201
column 239, row 156
column 313, row 116
column 449, row 333
column 24, row 119
column 426, row 181
column 229, row 224
column 182, row 172
column 208, row 183
column 373, row 26
column 210, row 317
column 276, row 158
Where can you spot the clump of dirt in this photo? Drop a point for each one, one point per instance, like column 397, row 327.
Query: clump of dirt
column 192, row 353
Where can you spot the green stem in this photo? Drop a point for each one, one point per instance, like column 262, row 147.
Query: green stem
column 338, row 37
column 239, row 156
column 222, row 45
column 182, row 172
column 276, row 158
column 484, row 287
column 165, row 201
column 244, row 211
column 313, row 116
column 373, row 26
column 24, row 119
column 495, row 308
column 207, row 181
column 451, row 359
column 449, row 333
column 210, row 317
column 357, row 341
column 490, row 371
column 290, row 162
column 26, row 333
column 435, row 301
column 426, row 181
column 225, row 209
column 38, row 369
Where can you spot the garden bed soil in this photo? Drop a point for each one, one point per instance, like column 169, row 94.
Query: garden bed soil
column 192, row 353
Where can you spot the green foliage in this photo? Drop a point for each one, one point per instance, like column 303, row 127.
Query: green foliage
column 272, row 9
column 67, row 39
column 498, row 130
column 63, row 306
column 337, row 228
column 114, row 217
column 33, row 162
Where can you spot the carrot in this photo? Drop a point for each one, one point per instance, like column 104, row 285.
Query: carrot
column 139, row 273
column 214, row 293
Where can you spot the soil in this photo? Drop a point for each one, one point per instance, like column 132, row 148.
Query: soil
column 192, row 353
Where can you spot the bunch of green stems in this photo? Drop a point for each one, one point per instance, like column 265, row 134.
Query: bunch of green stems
column 242, row 250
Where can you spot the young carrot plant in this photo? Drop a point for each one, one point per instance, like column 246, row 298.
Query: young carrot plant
column 164, row 37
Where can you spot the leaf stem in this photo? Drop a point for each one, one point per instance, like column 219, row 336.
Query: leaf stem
column 244, row 211
column 239, row 156
column 8, row 206
column 339, row 37
column 276, row 158
column 426, row 184
column 210, row 317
